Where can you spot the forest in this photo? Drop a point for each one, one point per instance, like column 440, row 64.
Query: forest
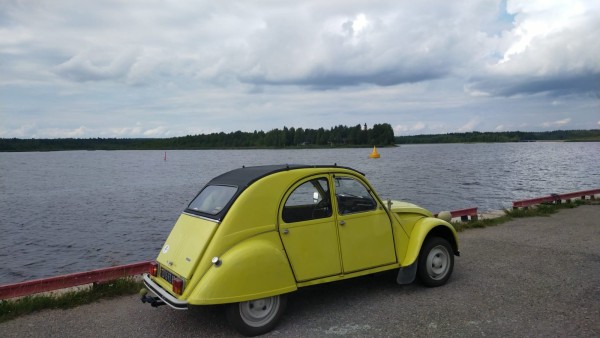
column 508, row 136
column 338, row 136
column 380, row 135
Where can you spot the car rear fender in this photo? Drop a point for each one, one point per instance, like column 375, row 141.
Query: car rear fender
column 254, row 268
column 428, row 226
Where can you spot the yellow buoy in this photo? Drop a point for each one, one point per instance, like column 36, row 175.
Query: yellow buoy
column 374, row 154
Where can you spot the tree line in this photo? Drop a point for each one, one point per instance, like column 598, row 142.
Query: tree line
column 338, row 136
column 509, row 136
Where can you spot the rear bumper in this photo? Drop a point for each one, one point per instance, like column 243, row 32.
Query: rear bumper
column 164, row 295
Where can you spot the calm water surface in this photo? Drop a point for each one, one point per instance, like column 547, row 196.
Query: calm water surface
column 65, row 212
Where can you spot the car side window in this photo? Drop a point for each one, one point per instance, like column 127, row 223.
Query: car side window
column 352, row 196
column 308, row 201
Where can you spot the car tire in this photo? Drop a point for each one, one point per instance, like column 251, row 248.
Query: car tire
column 436, row 261
column 256, row 317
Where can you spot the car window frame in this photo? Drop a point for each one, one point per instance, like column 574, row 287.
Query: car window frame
column 367, row 188
column 319, row 188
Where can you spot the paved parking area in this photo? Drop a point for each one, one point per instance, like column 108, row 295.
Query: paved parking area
column 534, row 277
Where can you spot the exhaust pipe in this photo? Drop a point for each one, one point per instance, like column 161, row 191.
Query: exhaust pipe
column 154, row 301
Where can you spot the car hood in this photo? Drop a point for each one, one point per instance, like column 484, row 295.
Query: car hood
column 400, row 207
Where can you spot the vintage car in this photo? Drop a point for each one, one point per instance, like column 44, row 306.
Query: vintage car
column 255, row 234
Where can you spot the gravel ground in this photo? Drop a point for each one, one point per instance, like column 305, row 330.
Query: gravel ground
column 533, row 277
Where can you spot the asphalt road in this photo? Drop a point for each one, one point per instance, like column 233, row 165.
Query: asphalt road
column 529, row 277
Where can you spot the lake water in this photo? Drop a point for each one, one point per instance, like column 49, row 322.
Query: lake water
column 65, row 212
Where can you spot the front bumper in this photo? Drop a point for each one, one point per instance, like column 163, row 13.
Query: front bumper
column 164, row 295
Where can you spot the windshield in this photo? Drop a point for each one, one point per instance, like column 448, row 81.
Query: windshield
column 212, row 199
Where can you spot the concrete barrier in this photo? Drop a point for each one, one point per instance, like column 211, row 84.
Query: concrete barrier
column 75, row 279
column 556, row 198
column 464, row 214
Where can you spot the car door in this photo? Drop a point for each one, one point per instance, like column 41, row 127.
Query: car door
column 308, row 230
column 365, row 230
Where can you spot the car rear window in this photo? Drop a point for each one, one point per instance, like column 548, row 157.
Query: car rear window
column 212, row 199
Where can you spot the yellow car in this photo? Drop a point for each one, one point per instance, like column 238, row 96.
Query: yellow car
column 254, row 234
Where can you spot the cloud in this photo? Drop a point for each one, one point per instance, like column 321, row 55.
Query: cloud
column 558, row 123
column 94, row 66
column 156, row 132
column 140, row 129
column 319, row 45
column 190, row 66
column 21, row 131
column 418, row 126
column 63, row 133
column 127, row 131
column 378, row 46
column 546, row 51
column 33, row 131
column 556, row 84
column 469, row 126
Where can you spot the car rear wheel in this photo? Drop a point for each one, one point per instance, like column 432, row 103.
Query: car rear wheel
column 257, row 316
column 436, row 261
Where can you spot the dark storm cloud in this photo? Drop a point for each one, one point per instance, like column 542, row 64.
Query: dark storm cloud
column 554, row 85
column 328, row 80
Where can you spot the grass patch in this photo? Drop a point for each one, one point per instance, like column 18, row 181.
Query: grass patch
column 14, row 308
column 544, row 209
column 482, row 223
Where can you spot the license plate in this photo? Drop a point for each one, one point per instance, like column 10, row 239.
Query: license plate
column 166, row 275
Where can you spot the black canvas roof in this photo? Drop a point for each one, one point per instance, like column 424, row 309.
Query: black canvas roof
column 244, row 176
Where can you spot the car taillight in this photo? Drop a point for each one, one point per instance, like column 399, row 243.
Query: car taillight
column 153, row 269
column 177, row 285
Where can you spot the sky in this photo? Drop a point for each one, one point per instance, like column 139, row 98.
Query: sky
column 165, row 68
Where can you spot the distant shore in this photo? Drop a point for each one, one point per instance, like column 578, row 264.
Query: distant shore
column 338, row 137
column 592, row 135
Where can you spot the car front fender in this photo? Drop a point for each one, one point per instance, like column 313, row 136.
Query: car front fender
column 425, row 227
column 253, row 269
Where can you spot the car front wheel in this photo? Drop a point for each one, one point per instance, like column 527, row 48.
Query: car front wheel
column 436, row 261
column 257, row 316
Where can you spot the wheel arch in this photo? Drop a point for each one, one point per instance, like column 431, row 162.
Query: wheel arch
column 255, row 268
column 446, row 233
column 425, row 228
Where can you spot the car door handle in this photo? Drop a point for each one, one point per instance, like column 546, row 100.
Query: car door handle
column 286, row 231
column 342, row 222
